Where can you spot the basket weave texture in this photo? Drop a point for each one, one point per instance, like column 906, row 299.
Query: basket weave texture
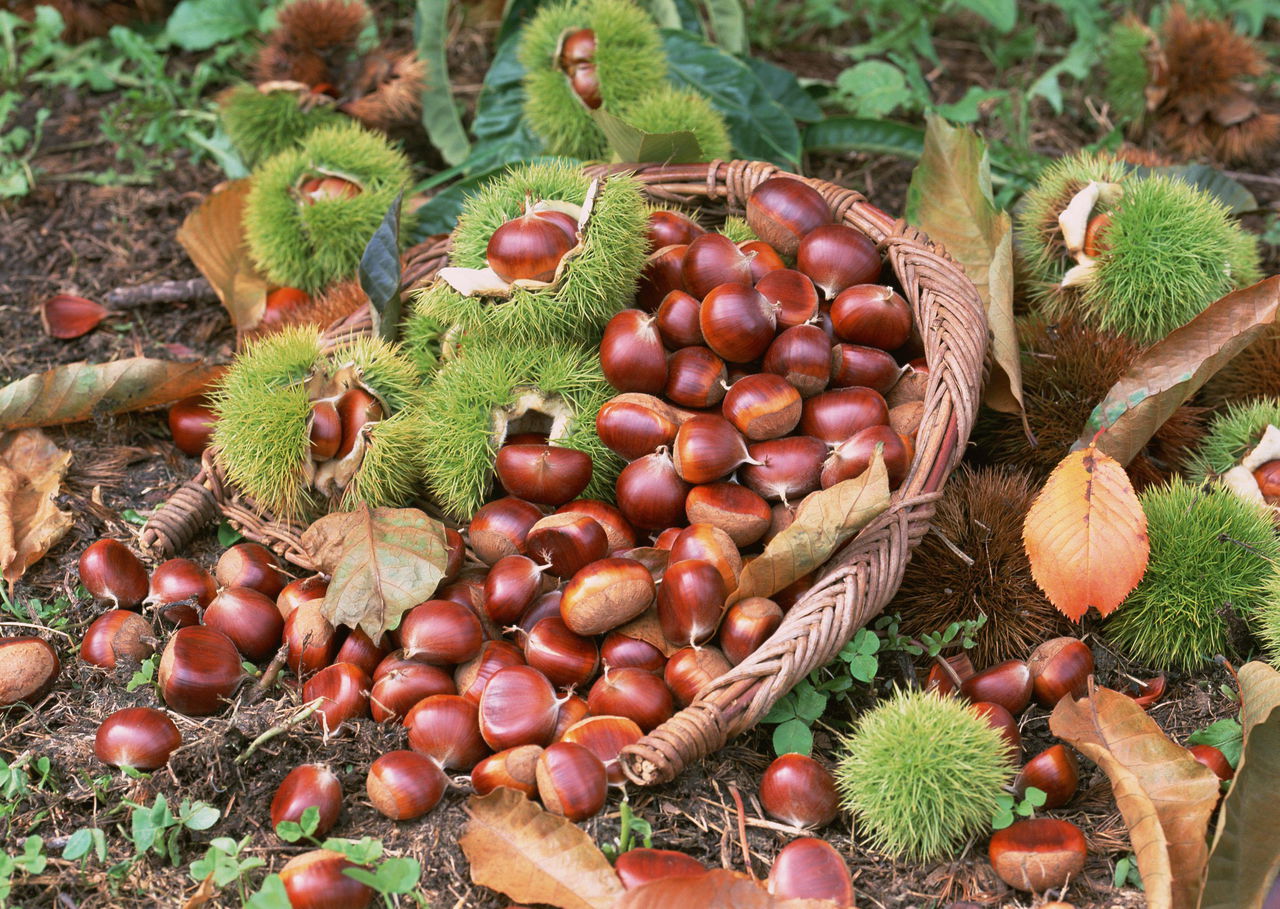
column 853, row 587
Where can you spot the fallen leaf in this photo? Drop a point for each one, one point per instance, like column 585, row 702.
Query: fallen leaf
column 534, row 856
column 1244, row 861
column 31, row 471
column 715, row 888
column 1086, row 535
column 1164, row 794
column 205, row 893
column 646, row 627
column 382, row 562
column 77, row 391
column 1172, row 370
column 213, row 236
column 824, row 521
column 950, row 200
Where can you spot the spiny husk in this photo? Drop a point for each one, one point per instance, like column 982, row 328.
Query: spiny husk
column 598, row 282
column 1252, row 373
column 391, row 472
column 1232, row 435
column 1266, row 625
column 1128, row 44
column 922, row 774
column 980, row 514
column 629, row 60
column 461, row 444
column 311, row 245
column 1170, row 250
column 1067, row 368
column 668, row 109
column 312, row 39
column 387, row 92
column 262, row 123
column 1211, row 572
column 738, row 230
column 336, row 301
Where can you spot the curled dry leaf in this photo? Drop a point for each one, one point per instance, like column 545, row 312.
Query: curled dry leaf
column 213, row 236
column 381, row 561
column 715, row 888
column 1244, row 862
column 534, row 856
column 1086, row 535
column 950, row 200
column 1171, row 371
column 1164, row 794
column 31, row 471
column 77, row 391
column 824, row 521
column 66, row 316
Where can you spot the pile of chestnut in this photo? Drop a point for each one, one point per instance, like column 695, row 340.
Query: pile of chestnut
column 747, row 385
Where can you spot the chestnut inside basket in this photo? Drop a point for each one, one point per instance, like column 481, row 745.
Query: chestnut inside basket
column 853, row 587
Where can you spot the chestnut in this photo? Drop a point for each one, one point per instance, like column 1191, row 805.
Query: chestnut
column 1054, row 772
column 660, row 276
column 472, row 676
column 764, row 259
column 312, row 640
column 405, row 785
column 66, row 316
column 543, row 474
column 179, row 580
column 605, row 594
column 1149, row 692
column 318, row 879
column 632, row 430
column 1214, row 759
column 567, row 659
column 28, row 668
column 110, row 572
column 308, row 786
column 446, row 727
column 324, row 430
column 605, row 737
column 836, row 257
column 739, row 512
column 586, row 84
column 1007, row 684
column 527, row 248
column 544, row 607
column 792, row 294
column 871, row 367
column 871, row 315
column 707, row 447
column 690, row 602
column 1037, row 854
column 518, row 707
column 634, row 693
column 651, row 493
column 712, row 260
column 510, row 587
column 516, row 768
column 854, row 455
column 117, row 637
column 324, row 188
column 762, row 406
column 788, row 469
column 499, row 528
column 620, row 533
column 677, row 320
column 631, row 354
column 810, row 868
column 395, row 692
column 711, row 544
column 1059, row 668
column 344, row 692
column 571, row 781
column 191, row 424
column 300, row 590
column 567, row 542
column 746, row 625
column 696, row 377
column 441, row 632
column 250, row 619
column 691, row 669
column 737, row 321
column 835, row 415
column 1268, row 479
column 1003, row 722
column 939, row 680
column 198, row 671
column 573, row 710
column 797, row 790
column 250, row 565
column 802, row 356
column 670, row 228
column 637, row 867
column 782, row 210
column 359, row 650
column 141, row 738
column 620, row 651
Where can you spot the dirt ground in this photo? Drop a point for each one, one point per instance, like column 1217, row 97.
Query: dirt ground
column 70, row 236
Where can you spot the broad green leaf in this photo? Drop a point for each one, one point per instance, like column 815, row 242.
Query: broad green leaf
column 869, row 136
column 202, row 817
column 728, row 25
column 440, row 115
column 200, row 24
column 632, row 144
column 501, row 133
column 1003, row 14
column 793, row 737
column 785, row 88
column 380, row 273
column 968, row 108
column 950, row 199
column 873, row 88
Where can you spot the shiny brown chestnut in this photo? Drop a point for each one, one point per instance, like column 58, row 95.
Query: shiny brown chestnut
column 746, row 625
column 300, row 590
column 782, row 210
column 854, row 455
column 472, row 676
column 358, row 649
column 707, row 448
column 1007, row 684
column 788, row 469
column 250, row 565
column 395, row 692
column 605, row 594
column 690, row 670
column 343, row 691
column 1054, row 772
column 312, row 639
column 585, row 81
column 1038, row 854
column 318, row 879
column 117, row 637
column 737, row 321
column 651, row 493
column 873, row 315
column 762, row 406
column 835, row 415
column 113, row 574
column 441, row 632
column 543, row 474
column 696, row 377
column 404, row 785
column 516, row 768
column 1268, row 479
column 499, row 528
column 855, row 364
column 670, row 228
column 446, row 727
column 637, row 867
column 1003, row 722
column 140, row 738
column 518, row 707
column 324, row 430
column 836, row 257
column 356, row 409
column 544, row 607
column 690, row 602
column 633, row 430
column 712, row 260
column 1060, row 667
column 660, row 276
column 620, row 651
column 191, row 423
column 510, row 587
column 67, row 316
column 792, row 294
column 634, row 693
column 677, row 320
column 631, row 353
column 605, row 737
column 802, row 356
column 764, row 259
column 567, row 660
column 1214, row 759
column 735, row 509
column 566, row 542
column 578, row 46
column 250, row 619
column 810, row 868
column 308, row 786
column 176, row 580
column 527, row 248
column 31, row 667
column 573, row 709
column 711, row 544
column 618, row 531
column 797, row 790
column 198, row 671
column 571, row 781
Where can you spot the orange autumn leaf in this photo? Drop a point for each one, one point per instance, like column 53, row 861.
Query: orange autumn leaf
column 1086, row 535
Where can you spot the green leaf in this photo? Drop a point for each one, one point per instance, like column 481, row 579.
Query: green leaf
column 967, row 109
column 728, row 25
column 758, row 125
column 864, row 667
column 810, row 702
column 782, row 710
column 1213, row 181
column 1035, row 797
column 228, row 536
column 783, row 86
column 200, row 24
column 380, row 272
column 202, row 817
column 869, row 136
column 1003, row 14
column 1225, row 735
column 398, row 875
column 873, row 88
column 271, row 895
column 793, row 736
column 1122, row 872
column 133, row 517
column 632, row 144
column 310, row 820
column 289, row 831
column 440, row 115
column 78, row 844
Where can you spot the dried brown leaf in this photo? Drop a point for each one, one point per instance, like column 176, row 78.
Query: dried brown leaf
column 1086, row 535
column 382, row 562
column 715, row 888
column 824, row 521
column 1164, row 794
column 1245, row 859
column 534, row 856
column 646, row 627
column 31, row 471
column 77, row 391
column 213, row 236
column 1171, row 371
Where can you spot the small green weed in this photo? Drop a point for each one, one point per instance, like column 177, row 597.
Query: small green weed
column 156, row 828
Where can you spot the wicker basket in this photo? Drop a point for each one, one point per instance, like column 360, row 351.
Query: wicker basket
column 859, row 580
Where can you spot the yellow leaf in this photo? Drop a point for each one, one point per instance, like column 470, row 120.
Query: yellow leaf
column 1086, row 535
column 213, row 237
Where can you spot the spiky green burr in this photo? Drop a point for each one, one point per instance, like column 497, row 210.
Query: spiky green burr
column 261, row 124
column 1233, row 434
column 668, row 109
column 1125, row 62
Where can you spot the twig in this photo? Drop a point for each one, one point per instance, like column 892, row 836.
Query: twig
column 195, row 290
column 269, row 675
column 742, row 829
column 281, row 728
